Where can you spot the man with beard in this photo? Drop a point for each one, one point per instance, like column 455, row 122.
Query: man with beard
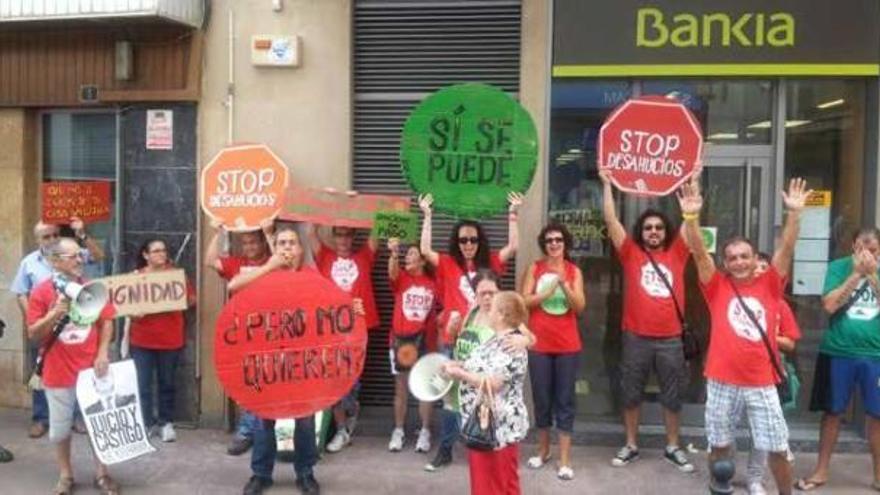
column 651, row 326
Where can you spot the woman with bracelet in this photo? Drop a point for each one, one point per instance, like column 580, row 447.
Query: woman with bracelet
column 553, row 289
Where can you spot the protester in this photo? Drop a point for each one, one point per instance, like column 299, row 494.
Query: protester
column 413, row 291
column 288, row 255
column 653, row 260
column 70, row 351
column 740, row 369
column 350, row 269
column 553, row 289
column 34, row 269
column 849, row 355
column 495, row 472
column 157, row 341
column 254, row 252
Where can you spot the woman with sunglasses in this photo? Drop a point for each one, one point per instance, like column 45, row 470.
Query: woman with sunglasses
column 553, row 289
column 157, row 341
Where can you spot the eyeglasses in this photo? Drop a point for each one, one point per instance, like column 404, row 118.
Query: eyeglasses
column 659, row 227
column 70, row 256
column 50, row 236
column 469, row 240
column 554, row 240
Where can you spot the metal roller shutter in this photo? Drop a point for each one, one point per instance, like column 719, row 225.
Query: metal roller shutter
column 404, row 50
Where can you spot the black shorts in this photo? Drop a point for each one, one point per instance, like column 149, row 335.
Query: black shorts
column 641, row 355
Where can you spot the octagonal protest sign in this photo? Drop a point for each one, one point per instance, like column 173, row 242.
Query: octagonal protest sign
column 289, row 344
column 469, row 145
column 242, row 186
column 651, row 145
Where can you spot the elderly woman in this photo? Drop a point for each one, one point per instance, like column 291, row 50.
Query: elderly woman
column 495, row 472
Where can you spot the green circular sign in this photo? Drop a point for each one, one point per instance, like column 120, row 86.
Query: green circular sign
column 557, row 303
column 469, row 145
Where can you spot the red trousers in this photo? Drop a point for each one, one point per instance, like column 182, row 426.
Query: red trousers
column 495, row 472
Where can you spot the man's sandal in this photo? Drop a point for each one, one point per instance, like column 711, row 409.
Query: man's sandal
column 64, row 486
column 106, row 485
column 807, row 485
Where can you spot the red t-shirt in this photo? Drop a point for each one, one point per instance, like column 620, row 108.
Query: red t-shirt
column 555, row 333
column 457, row 292
column 737, row 354
column 788, row 325
column 76, row 347
column 648, row 308
column 413, row 303
column 230, row 266
column 352, row 275
column 161, row 331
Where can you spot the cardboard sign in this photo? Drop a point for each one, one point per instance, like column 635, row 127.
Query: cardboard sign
column 651, row 145
column 90, row 201
column 242, row 186
column 289, row 345
column 469, row 145
column 111, row 408
column 147, row 293
column 307, row 204
column 402, row 225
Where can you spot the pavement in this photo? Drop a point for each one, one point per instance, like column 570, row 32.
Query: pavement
column 198, row 464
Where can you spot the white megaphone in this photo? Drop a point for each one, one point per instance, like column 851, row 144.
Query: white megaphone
column 426, row 380
column 86, row 301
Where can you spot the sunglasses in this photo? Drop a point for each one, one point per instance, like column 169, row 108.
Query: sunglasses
column 70, row 256
column 157, row 251
column 554, row 240
column 653, row 226
column 469, row 240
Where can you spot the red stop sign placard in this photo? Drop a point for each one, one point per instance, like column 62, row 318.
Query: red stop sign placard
column 289, row 344
column 651, row 145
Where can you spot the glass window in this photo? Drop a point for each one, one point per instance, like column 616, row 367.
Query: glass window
column 82, row 146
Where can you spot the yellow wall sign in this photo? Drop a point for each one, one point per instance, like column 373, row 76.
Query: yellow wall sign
column 821, row 198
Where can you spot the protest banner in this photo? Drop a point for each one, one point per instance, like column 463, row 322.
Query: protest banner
column 242, row 186
column 111, row 408
column 309, row 204
column 400, row 224
column 469, row 145
column 651, row 145
column 90, row 201
column 147, row 293
column 289, row 344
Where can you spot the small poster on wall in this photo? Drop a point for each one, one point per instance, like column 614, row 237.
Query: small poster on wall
column 160, row 129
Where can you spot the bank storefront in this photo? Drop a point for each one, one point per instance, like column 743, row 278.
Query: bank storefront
column 780, row 88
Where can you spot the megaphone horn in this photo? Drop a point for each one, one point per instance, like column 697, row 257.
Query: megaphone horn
column 426, row 379
column 88, row 302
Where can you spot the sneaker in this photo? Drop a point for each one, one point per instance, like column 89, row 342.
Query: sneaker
column 339, row 441
column 256, row 485
column 423, row 444
column 167, row 433
column 396, row 443
column 624, row 456
column 676, row 456
column 443, row 458
column 308, row 485
column 239, row 445
column 37, row 429
column 757, row 488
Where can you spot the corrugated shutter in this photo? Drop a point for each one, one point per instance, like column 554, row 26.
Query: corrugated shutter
column 404, row 50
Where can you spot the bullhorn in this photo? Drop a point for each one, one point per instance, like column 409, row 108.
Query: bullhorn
column 426, row 380
column 86, row 301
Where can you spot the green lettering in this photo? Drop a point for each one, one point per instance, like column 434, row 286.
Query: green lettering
column 782, row 34
column 716, row 18
column 686, row 32
column 656, row 16
column 737, row 30
column 759, row 30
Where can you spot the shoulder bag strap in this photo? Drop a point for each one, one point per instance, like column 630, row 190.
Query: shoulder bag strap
column 852, row 299
column 667, row 284
column 761, row 330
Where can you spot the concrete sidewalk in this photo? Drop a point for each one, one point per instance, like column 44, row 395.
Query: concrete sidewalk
column 197, row 464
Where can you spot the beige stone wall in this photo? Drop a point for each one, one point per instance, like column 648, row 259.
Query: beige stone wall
column 18, row 179
column 303, row 114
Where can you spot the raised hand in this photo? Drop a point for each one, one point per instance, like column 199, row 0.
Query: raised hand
column 78, row 226
column 393, row 245
column 425, row 202
column 515, row 200
column 605, row 176
column 797, row 194
column 689, row 198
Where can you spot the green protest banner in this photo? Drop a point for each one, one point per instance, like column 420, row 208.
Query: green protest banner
column 400, row 224
column 469, row 145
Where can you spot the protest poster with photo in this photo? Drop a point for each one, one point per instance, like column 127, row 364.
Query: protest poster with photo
column 111, row 408
column 147, row 293
column 318, row 206
column 289, row 344
column 469, row 145
column 88, row 200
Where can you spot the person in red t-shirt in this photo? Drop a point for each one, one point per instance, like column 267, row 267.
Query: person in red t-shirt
column 553, row 289
column 413, row 291
column 74, row 349
column 156, row 344
column 651, row 326
column 350, row 269
column 744, row 307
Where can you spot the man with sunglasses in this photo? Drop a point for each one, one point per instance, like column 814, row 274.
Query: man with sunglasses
column 651, row 326
column 34, row 269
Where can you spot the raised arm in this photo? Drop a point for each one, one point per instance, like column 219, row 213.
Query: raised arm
column 268, row 228
column 94, row 247
column 794, row 202
column 212, row 255
column 616, row 231
column 515, row 201
column 313, row 238
column 393, row 262
column 691, row 202
column 428, row 252
column 244, row 278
